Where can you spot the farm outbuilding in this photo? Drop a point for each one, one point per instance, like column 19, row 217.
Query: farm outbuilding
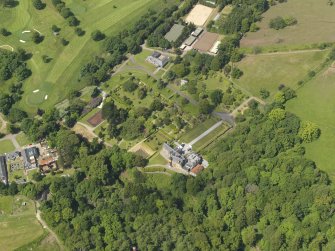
column 197, row 32
column 190, row 40
column 174, row 33
column 206, row 42
column 215, row 47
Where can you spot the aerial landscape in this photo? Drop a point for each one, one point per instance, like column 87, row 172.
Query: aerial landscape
column 167, row 125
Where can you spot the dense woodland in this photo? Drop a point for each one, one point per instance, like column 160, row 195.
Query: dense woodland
column 12, row 64
column 259, row 190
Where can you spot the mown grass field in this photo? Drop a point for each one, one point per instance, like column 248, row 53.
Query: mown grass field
column 18, row 224
column 60, row 76
column 22, row 139
column 316, row 24
column 271, row 70
column 316, row 103
column 6, row 146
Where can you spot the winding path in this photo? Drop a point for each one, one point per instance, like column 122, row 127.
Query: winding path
column 45, row 226
column 90, row 130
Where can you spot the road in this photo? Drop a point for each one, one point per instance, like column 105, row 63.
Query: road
column 45, row 226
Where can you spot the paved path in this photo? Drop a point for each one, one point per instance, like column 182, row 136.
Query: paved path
column 12, row 138
column 90, row 130
column 204, row 134
column 45, row 226
column 245, row 105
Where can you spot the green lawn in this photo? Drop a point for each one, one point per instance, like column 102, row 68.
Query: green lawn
column 316, row 103
column 18, row 222
column 140, row 59
column 210, row 138
column 157, row 159
column 44, row 242
column 58, row 77
column 197, row 130
column 123, row 76
column 6, row 146
column 159, row 180
column 315, row 25
column 22, row 139
column 271, row 70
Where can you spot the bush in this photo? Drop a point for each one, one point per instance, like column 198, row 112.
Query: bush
column 37, row 37
column 55, row 28
column 97, row 35
column 79, row 31
column 46, row 59
column 311, row 74
column 64, row 42
column 236, row 73
column 38, row 4
column 129, row 86
column 309, row 132
column 5, row 32
column 280, row 22
column 264, row 93
column 73, row 21
column 66, row 12
column 277, row 23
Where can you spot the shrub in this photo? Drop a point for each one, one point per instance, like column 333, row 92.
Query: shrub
column 129, row 86
column 37, row 37
column 73, row 21
column 55, row 28
column 309, row 132
column 79, row 31
column 280, row 22
column 236, row 73
column 97, row 35
column 38, row 4
column 277, row 23
column 64, row 42
column 5, row 32
column 264, row 93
